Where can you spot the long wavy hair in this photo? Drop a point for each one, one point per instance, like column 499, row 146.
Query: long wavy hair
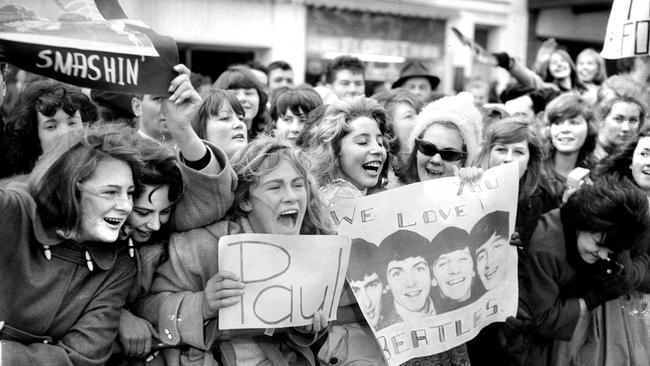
column 261, row 157
column 576, row 84
column 325, row 141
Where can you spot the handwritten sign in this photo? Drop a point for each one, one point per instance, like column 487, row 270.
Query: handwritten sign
column 287, row 278
column 430, row 263
column 87, row 44
column 628, row 30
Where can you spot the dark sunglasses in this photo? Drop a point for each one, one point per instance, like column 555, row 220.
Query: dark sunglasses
column 430, row 149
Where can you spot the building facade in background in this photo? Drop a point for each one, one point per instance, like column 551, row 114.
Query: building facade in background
column 213, row 34
column 575, row 24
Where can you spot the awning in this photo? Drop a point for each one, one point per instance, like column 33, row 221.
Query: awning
column 417, row 9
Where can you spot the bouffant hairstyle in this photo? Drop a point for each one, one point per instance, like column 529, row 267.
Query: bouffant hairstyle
column 511, row 130
column 262, row 156
column 23, row 145
column 72, row 160
column 325, row 143
column 241, row 77
column 300, row 101
column 567, row 106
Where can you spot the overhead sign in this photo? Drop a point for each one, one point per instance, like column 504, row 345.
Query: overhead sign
column 89, row 43
column 628, row 30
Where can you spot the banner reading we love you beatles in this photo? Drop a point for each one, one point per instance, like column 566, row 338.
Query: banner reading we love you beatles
column 430, row 263
column 89, row 43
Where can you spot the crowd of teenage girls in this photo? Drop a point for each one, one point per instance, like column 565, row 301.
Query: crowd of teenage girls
column 113, row 206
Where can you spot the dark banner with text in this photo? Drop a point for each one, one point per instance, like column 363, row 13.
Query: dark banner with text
column 86, row 43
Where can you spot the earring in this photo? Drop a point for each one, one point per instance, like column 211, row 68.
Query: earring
column 131, row 248
column 47, row 252
column 89, row 262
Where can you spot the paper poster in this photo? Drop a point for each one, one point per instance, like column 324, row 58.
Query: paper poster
column 430, row 263
column 287, row 278
column 628, row 29
column 86, row 43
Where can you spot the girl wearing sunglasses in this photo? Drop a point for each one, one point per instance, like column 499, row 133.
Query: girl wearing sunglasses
column 445, row 136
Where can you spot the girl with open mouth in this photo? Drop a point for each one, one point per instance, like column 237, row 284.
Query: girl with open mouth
column 60, row 270
column 276, row 194
column 220, row 121
column 178, row 191
column 349, row 149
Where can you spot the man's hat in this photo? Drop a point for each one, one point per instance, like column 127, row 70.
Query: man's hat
column 416, row 69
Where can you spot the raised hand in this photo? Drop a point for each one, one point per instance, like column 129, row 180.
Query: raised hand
column 180, row 109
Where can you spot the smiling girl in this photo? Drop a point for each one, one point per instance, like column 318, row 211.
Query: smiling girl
column 446, row 136
column 572, row 140
column 349, row 149
column 64, row 278
column 275, row 195
column 249, row 92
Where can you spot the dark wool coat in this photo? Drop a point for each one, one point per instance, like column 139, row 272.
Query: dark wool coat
column 59, row 301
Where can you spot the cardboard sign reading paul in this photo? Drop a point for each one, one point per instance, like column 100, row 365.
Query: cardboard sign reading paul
column 628, row 29
column 430, row 263
column 287, row 278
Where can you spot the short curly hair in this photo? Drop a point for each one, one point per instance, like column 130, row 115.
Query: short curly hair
column 23, row 146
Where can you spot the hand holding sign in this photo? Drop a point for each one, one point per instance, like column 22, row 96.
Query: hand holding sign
column 222, row 290
column 319, row 323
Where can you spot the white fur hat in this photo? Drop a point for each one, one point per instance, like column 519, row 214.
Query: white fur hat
column 458, row 110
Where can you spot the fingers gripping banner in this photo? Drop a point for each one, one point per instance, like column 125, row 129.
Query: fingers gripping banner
column 628, row 30
column 430, row 263
column 287, row 278
column 89, row 43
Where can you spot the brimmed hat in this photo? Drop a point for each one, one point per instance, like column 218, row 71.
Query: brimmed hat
column 416, row 69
